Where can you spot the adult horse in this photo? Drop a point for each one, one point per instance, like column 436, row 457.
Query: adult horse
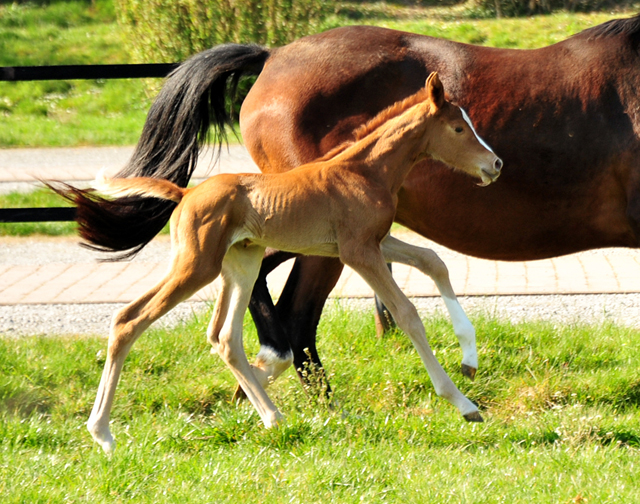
column 565, row 119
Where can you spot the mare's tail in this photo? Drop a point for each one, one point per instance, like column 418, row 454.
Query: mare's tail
column 190, row 103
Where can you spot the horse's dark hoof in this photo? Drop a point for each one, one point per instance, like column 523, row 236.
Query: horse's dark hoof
column 469, row 372
column 239, row 395
column 474, row 416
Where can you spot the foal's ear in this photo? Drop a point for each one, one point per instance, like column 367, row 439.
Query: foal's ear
column 435, row 89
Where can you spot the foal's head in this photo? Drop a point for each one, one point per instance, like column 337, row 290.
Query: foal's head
column 453, row 139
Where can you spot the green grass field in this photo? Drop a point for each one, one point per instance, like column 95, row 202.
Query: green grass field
column 65, row 113
column 561, row 405
column 40, row 198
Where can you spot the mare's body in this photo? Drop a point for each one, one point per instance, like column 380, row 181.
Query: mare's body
column 565, row 119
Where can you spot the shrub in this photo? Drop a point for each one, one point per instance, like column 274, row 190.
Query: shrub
column 510, row 8
column 172, row 30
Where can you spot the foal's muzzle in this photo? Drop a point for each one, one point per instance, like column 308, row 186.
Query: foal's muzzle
column 491, row 174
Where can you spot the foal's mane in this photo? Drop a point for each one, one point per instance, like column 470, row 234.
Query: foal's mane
column 394, row 110
column 389, row 113
column 627, row 26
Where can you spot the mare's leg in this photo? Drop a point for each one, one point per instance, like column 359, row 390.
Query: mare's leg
column 275, row 354
column 369, row 262
column 290, row 328
column 300, row 306
column 184, row 279
column 240, row 269
column 430, row 264
column 384, row 320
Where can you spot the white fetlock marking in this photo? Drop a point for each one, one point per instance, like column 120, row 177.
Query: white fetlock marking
column 269, row 361
column 467, row 408
column 446, row 389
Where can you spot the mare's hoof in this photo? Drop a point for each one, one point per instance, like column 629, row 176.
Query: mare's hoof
column 239, row 394
column 474, row 416
column 468, row 371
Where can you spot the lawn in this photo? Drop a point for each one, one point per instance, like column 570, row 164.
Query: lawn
column 66, row 113
column 560, row 403
column 39, row 198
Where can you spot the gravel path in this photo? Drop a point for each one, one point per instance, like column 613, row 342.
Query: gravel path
column 95, row 318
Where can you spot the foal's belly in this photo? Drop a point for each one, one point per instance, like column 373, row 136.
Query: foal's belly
column 325, row 249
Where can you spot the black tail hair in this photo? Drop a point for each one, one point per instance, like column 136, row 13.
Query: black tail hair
column 190, row 103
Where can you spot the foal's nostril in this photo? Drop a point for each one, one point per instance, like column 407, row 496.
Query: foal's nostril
column 497, row 164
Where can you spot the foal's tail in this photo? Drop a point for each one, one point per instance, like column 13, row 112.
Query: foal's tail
column 145, row 187
column 191, row 102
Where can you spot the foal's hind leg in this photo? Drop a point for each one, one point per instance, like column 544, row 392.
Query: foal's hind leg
column 239, row 271
column 184, row 279
column 430, row 264
column 369, row 263
column 275, row 354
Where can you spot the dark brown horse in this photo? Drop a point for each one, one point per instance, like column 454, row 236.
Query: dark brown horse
column 564, row 118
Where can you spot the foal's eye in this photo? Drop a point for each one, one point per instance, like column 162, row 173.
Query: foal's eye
column 459, row 129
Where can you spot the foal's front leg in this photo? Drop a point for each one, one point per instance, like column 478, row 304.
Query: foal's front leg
column 368, row 261
column 240, row 269
column 427, row 261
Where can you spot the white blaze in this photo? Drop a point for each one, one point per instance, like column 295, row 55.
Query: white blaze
column 468, row 121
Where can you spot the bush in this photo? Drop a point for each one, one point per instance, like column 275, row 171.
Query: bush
column 511, row 8
column 172, row 30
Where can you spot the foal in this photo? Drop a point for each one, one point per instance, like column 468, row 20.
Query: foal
column 340, row 206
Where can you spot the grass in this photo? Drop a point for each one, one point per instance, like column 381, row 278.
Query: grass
column 66, row 113
column 561, row 404
column 111, row 112
column 464, row 24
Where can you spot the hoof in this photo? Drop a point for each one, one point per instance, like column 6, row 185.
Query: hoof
column 474, row 416
column 239, row 395
column 104, row 439
column 468, row 371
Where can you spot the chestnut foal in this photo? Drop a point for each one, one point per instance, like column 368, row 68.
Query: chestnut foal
column 340, row 206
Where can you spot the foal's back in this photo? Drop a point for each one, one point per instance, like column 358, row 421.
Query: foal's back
column 306, row 210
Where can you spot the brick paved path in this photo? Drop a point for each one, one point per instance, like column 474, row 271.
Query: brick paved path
column 88, row 281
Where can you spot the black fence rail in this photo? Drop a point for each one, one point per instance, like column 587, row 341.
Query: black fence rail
column 84, row 72
column 72, row 72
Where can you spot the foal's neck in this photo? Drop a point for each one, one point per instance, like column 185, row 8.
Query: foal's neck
column 389, row 152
